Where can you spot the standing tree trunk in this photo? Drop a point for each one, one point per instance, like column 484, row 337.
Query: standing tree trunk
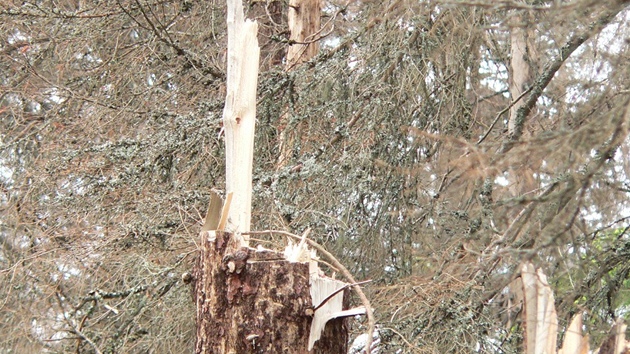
column 304, row 24
column 522, row 71
column 255, row 300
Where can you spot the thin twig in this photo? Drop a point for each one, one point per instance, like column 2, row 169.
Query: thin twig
column 515, row 226
column 411, row 346
column 76, row 330
column 337, row 292
column 496, row 119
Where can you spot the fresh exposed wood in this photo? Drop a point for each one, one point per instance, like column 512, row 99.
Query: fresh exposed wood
column 255, row 300
column 616, row 342
column 541, row 321
column 321, row 288
column 213, row 215
column 239, row 116
column 225, row 212
column 574, row 342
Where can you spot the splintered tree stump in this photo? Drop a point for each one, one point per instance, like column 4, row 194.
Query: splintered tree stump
column 251, row 301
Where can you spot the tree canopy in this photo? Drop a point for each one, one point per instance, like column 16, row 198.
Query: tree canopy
column 416, row 144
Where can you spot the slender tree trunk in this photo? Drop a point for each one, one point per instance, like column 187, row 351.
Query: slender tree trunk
column 522, row 72
column 304, row 23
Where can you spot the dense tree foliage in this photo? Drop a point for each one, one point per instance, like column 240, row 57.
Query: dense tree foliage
column 399, row 150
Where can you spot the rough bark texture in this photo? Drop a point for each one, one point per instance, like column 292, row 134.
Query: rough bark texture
column 304, row 19
column 251, row 301
column 521, row 71
column 304, row 23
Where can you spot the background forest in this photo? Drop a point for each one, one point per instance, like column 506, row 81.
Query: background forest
column 431, row 145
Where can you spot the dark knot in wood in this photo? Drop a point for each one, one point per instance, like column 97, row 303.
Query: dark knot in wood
column 235, row 262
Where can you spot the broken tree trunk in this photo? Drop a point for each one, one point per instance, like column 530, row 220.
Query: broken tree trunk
column 539, row 311
column 239, row 116
column 256, row 300
column 541, row 321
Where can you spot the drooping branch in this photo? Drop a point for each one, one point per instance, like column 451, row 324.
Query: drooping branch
column 163, row 36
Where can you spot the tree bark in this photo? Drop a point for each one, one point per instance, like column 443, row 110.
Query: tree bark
column 304, row 22
column 304, row 19
column 522, row 57
column 251, row 301
column 522, row 71
column 548, row 72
